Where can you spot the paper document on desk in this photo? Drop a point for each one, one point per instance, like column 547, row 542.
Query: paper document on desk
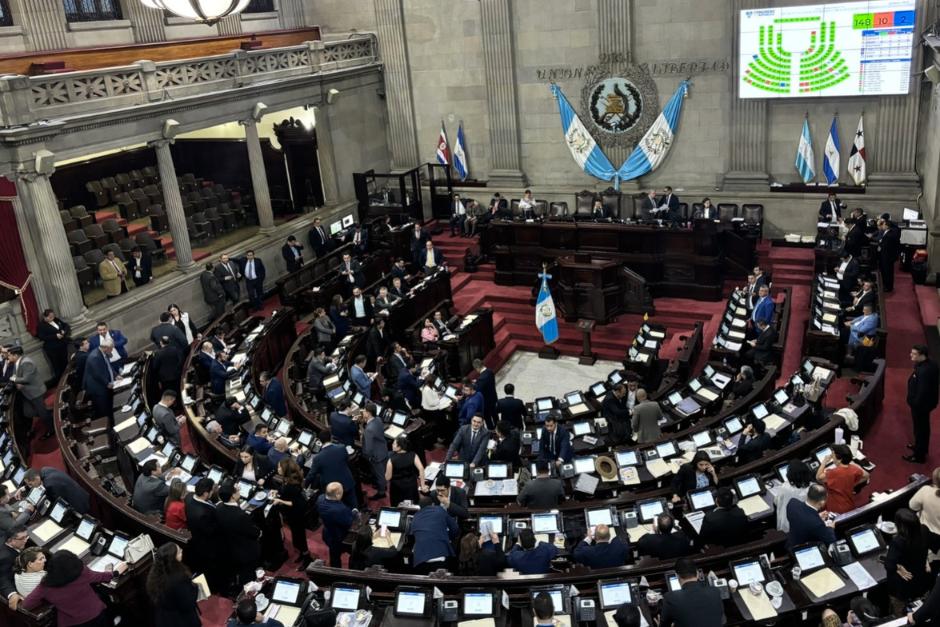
column 859, row 576
column 479, row 622
column 638, row 532
column 753, row 505
column 629, row 476
column 758, row 605
column 138, row 445
column 432, row 470
column 774, row 422
column 658, row 468
column 46, row 531
column 285, row 614
column 824, row 581
column 739, row 322
column 386, row 542
column 696, row 519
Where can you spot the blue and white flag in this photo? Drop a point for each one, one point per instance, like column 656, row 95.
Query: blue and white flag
column 545, row 318
column 831, row 162
column 805, row 159
column 582, row 146
column 460, row 154
column 655, row 145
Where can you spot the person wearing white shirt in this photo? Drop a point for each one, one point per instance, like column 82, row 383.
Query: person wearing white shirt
column 527, row 205
column 458, row 216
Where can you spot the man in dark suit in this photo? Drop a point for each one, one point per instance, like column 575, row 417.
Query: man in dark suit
column 670, row 202
column 231, row 416
column 471, row 403
column 212, row 291
column 543, row 492
column 167, row 329
column 228, row 274
column 597, row 550
column 292, row 252
column 856, row 238
column 470, row 443
column 555, row 443
column 319, row 240
column 417, row 240
column 429, row 258
column 375, row 448
column 726, row 525
column 359, row 238
column 32, row 390
column 59, row 485
column 507, row 444
column 218, row 373
column 614, row 409
column 753, row 442
column 598, row 212
column 858, row 300
column 397, row 361
column 847, row 273
column 761, row 351
column 889, row 247
column 376, row 342
column 318, row 369
column 273, row 394
column 55, row 335
column 663, row 543
column 98, row 381
column 830, row 210
column 167, row 364
column 79, row 359
column 342, row 427
column 486, row 385
column 351, row 271
column 531, row 557
column 409, row 386
column 238, row 532
column 922, row 390
column 253, row 271
column 140, row 267
column 453, row 499
column 205, row 549
column 12, row 546
column 696, row 605
column 648, row 205
column 330, row 465
column 510, row 408
column 806, row 525
column 399, row 271
column 433, row 530
column 337, row 519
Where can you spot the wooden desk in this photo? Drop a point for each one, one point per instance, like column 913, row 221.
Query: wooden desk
column 588, row 287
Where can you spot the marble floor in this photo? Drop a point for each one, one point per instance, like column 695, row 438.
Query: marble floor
column 534, row 377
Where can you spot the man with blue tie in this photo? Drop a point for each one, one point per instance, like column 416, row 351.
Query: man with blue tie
column 861, row 327
column 254, row 273
column 470, row 405
column 330, row 465
column 555, row 443
column 98, row 381
column 360, row 378
column 433, row 530
column 763, row 309
column 470, row 443
column 343, row 428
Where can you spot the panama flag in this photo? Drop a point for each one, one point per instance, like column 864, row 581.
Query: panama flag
column 460, row 154
column 831, row 163
column 857, row 158
column 804, row 155
column 545, row 318
column 443, row 151
column 583, row 148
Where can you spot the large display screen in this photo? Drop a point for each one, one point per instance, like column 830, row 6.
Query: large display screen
column 839, row 49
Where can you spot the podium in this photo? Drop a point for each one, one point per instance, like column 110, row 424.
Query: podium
column 589, row 288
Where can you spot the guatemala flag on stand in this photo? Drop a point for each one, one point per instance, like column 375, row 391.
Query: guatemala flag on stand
column 443, row 151
column 831, row 163
column 805, row 159
column 460, row 154
column 545, row 318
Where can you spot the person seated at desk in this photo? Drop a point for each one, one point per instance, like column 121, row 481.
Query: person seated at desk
column 555, row 443
column 694, row 475
column 429, row 258
column 754, row 441
column 12, row 547
column 646, row 417
column 511, row 409
column 433, row 530
column 174, row 509
column 59, row 485
column 359, row 238
column 842, row 480
column 860, row 298
column 761, row 352
column 279, row 451
column 663, row 543
column 365, row 554
column 527, row 206
column 496, row 210
column 260, row 441
column 598, row 211
column 252, row 466
column 150, row 489
column 29, row 570
column 247, row 615
column 458, row 216
column 11, row 517
column 429, row 334
column 475, row 211
column 481, row 555
column 219, row 373
column 830, row 210
column 597, row 550
column 399, row 271
column 507, row 445
column 470, row 443
column 862, row 613
column 707, row 211
column 614, row 409
column 68, row 587
column 543, row 610
column 726, row 525
column 696, row 604
column 452, row 498
column 230, row 417
column 386, row 300
column 861, row 327
column 544, row 491
column 743, row 383
column 531, row 558
column 806, row 519
column 441, row 324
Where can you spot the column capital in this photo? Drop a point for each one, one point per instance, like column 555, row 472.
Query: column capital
column 42, row 165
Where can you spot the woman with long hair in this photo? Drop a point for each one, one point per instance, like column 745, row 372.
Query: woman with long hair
column 481, row 555
column 292, row 503
column 67, row 587
column 403, row 472
column 365, row 554
column 799, row 476
column 171, row 589
column 29, row 569
column 926, row 502
column 184, row 323
column 252, row 467
column 174, row 509
column 696, row 474
column 906, row 561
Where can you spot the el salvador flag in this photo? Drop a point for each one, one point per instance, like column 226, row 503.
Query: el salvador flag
column 805, row 160
column 545, row 318
column 831, row 163
column 460, row 154
column 653, row 148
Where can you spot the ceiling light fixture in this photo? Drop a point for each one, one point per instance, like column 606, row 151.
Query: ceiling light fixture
column 206, row 11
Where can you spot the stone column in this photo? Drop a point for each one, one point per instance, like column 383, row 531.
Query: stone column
column 291, row 13
column 402, row 130
column 149, row 24
column 326, row 158
column 27, row 230
column 502, row 106
column 35, row 189
column 174, row 204
column 614, row 24
column 231, row 25
column 747, row 148
column 259, row 177
column 44, row 24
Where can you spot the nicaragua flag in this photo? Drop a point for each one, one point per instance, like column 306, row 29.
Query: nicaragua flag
column 653, row 148
column 805, row 159
column 545, row 318
column 831, row 163
column 460, row 154
column 443, row 151
column 583, row 148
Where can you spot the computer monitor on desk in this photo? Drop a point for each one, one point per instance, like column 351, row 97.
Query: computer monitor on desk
column 413, row 602
column 346, row 597
column 561, row 601
column 476, row 604
column 613, row 594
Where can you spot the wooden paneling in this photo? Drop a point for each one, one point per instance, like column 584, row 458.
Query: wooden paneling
column 111, row 56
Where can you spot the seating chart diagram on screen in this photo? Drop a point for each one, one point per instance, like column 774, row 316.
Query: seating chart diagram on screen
column 843, row 49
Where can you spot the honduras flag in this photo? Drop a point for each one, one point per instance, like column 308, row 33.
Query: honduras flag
column 545, row 318
column 460, row 154
column 583, row 148
column 805, row 159
column 831, row 163
column 655, row 145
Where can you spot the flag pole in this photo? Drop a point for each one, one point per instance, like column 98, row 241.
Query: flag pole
column 548, row 351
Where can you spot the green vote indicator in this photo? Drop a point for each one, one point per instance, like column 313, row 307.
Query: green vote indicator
column 862, row 21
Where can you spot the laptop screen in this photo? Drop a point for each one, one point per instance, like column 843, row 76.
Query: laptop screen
column 650, row 510
column 411, row 602
column 497, row 471
column 345, row 598
column 453, row 470
column 748, row 486
column 583, row 465
column 495, row 523
column 543, row 404
column 809, row 558
column 597, row 517
column 545, row 523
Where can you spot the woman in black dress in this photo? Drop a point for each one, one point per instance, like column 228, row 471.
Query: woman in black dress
column 171, row 590
column 404, row 473
column 292, row 503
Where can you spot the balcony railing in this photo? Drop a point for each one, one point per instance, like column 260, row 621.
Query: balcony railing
column 25, row 100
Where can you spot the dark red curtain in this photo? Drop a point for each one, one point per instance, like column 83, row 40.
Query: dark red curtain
column 13, row 271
